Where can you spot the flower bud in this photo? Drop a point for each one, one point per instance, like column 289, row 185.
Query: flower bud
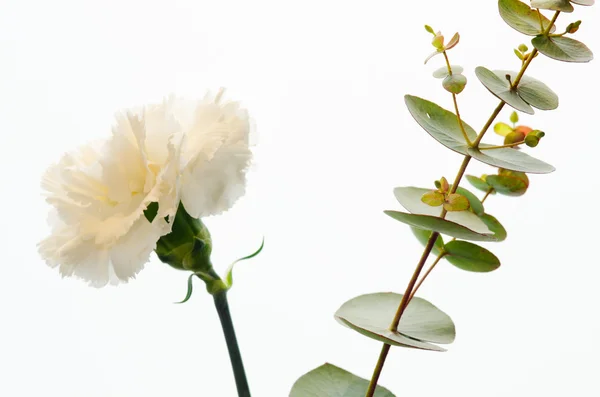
column 188, row 246
column 514, row 137
column 523, row 48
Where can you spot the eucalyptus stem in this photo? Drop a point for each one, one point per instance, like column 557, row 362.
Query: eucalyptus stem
column 235, row 356
column 502, row 146
column 430, row 243
column 437, row 260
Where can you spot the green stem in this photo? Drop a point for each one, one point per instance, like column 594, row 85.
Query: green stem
column 487, row 194
column 502, row 146
column 235, row 356
column 437, row 260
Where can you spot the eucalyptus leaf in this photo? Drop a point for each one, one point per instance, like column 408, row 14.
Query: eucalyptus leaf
column 532, row 91
column 440, row 123
column 443, row 71
column 423, row 237
column 478, row 183
column 510, row 159
column 495, row 226
column 455, row 83
column 331, row 381
column 501, row 88
column 443, row 226
column 470, row 257
column 410, row 198
column 563, row 48
column 421, row 321
column 474, row 202
column 555, row 5
column 522, row 18
column 508, row 185
column 583, row 2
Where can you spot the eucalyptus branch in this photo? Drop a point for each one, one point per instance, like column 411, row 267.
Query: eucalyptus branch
column 369, row 314
column 404, row 302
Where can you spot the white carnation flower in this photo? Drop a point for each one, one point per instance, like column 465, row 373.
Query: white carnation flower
column 215, row 154
column 100, row 233
column 193, row 151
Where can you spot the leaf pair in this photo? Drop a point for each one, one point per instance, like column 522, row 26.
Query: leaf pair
column 443, row 126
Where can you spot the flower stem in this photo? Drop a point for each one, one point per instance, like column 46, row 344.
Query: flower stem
column 235, row 356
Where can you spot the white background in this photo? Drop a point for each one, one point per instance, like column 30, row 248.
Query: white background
column 324, row 81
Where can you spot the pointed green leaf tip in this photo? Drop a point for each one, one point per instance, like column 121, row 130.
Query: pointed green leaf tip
column 229, row 274
column 190, row 287
column 331, row 381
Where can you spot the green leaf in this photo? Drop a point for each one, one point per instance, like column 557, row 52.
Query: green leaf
column 423, row 237
column 478, row 183
column 495, row 226
column 503, row 129
column 470, row 257
column 522, row 18
column 514, row 118
column 190, row 288
column 475, row 204
column 532, row 91
column 331, row 381
column 563, row 48
column 501, row 88
column 410, row 198
column 421, row 321
column 439, row 123
column 456, row 202
column 443, row 226
column 455, row 83
column 443, row 71
column 510, row 159
column 229, row 273
column 433, row 198
column 151, row 211
column 509, row 183
column 555, row 5
column 583, row 2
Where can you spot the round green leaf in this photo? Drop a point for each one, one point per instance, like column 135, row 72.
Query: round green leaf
column 555, row 5
column 439, row 123
column 455, row 83
column 510, row 159
column 331, row 381
column 495, row 226
column 456, row 202
column 410, row 198
column 423, row 237
column 478, row 183
column 522, row 18
column 440, row 225
column 470, row 257
column 563, row 48
column 421, row 321
column 443, row 71
column 532, row 91
column 501, row 88
column 509, row 185
column 475, row 204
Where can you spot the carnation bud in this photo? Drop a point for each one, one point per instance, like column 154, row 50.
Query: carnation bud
column 188, row 246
